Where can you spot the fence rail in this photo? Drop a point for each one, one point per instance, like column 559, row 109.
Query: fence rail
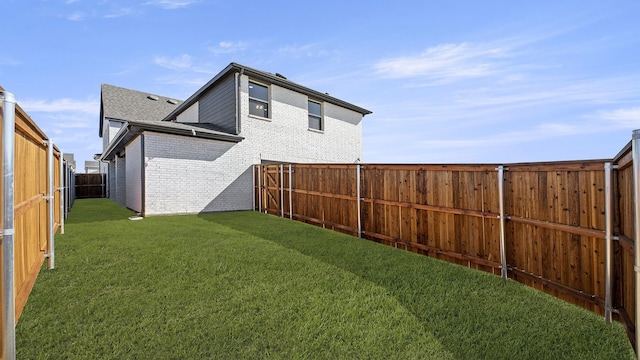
column 34, row 203
column 543, row 224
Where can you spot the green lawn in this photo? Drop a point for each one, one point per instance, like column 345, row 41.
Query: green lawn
column 249, row 285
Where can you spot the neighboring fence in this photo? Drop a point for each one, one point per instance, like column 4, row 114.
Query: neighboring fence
column 33, row 207
column 90, row 186
column 548, row 219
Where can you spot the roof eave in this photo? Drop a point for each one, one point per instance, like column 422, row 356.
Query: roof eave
column 130, row 130
column 264, row 76
column 271, row 78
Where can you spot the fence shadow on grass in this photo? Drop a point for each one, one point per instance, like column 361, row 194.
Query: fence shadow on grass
column 468, row 311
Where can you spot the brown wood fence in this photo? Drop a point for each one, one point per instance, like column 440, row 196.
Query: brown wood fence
column 31, row 211
column 90, row 186
column 554, row 218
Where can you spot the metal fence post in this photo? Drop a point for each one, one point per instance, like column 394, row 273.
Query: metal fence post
column 503, row 251
column 50, row 199
column 608, row 241
column 635, row 146
column 62, row 191
column 8, row 299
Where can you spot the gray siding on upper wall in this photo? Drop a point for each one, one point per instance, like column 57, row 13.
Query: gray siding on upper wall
column 218, row 105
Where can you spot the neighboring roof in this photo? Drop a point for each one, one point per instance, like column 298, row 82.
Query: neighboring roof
column 267, row 77
column 119, row 103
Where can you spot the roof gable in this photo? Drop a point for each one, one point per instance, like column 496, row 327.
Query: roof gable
column 276, row 79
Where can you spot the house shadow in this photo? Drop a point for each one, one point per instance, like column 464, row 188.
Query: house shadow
column 236, row 195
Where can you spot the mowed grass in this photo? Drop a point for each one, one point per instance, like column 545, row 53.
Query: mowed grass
column 248, row 285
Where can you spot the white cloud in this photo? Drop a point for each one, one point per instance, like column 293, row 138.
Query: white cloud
column 61, row 105
column 8, row 61
column 446, row 62
column 72, row 124
column 228, row 47
column 624, row 117
column 171, row 4
column 536, row 133
column 77, row 16
column 118, row 13
column 181, row 62
column 307, row 50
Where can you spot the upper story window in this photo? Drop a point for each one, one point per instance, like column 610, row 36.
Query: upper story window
column 258, row 100
column 315, row 116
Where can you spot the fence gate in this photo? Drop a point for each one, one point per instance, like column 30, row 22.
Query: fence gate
column 271, row 189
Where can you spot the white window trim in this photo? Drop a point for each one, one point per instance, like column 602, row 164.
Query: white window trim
column 321, row 130
column 269, row 109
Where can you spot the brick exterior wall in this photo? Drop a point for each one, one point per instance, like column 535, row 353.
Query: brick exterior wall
column 189, row 175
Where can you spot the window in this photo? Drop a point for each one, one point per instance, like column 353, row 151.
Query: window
column 315, row 116
column 258, row 100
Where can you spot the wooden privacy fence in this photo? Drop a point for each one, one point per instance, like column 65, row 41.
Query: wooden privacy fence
column 33, row 200
column 542, row 224
column 90, row 186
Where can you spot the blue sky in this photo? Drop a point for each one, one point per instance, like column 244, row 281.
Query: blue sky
column 447, row 81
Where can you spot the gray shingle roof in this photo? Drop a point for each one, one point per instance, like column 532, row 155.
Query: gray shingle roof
column 126, row 104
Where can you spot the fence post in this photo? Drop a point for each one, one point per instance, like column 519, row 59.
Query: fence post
column 635, row 146
column 503, row 251
column 358, row 199
column 259, row 188
column 8, row 300
column 281, row 168
column 290, row 192
column 608, row 241
column 50, row 198
column 62, row 192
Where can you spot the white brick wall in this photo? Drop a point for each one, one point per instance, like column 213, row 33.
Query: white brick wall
column 190, row 175
column 286, row 136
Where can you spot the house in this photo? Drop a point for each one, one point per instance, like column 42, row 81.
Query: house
column 167, row 156
column 94, row 167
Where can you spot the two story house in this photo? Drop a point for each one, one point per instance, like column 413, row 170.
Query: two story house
column 167, row 156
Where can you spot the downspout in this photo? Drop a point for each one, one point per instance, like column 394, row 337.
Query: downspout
column 8, row 298
column 115, row 179
column 238, row 79
column 50, row 197
column 143, row 199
